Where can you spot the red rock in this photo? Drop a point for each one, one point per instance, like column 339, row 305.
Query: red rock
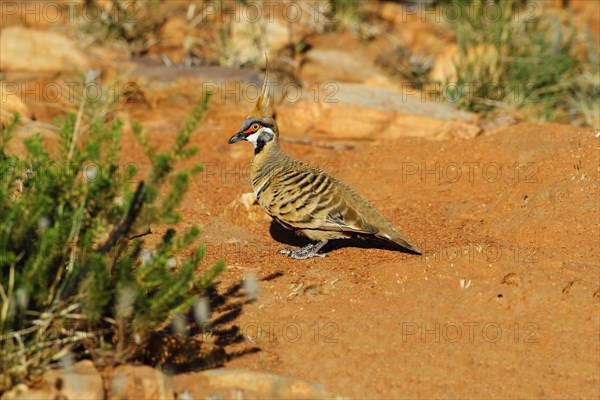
column 139, row 382
column 26, row 49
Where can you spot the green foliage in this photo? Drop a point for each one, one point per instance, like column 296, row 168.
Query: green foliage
column 75, row 274
column 510, row 59
column 352, row 16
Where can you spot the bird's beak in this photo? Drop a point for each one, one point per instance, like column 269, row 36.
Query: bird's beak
column 237, row 137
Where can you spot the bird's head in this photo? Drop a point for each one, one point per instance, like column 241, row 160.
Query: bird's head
column 259, row 127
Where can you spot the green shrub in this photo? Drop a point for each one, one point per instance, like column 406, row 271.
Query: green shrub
column 75, row 275
column 525, row 61
column 351, row 16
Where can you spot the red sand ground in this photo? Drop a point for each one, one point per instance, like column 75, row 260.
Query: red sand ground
column 503, row 302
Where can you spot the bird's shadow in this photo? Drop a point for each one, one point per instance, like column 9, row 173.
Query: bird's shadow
column 292, row 239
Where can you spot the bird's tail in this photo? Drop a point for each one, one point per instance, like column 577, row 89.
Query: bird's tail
column 401, row 241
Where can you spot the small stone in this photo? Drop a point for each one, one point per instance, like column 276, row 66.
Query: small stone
column 250, row 384
column 245, row 208
column 248, row 200
column 511, row 279
column 311, row 290
column 138, row 382
column 80, row 381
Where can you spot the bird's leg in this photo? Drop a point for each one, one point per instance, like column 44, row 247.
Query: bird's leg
column 308, row 251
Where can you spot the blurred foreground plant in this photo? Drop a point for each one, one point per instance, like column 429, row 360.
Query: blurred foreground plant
column 75, row 275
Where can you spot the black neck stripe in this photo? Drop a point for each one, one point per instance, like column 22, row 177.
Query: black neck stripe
column 261, row 141
column 259, row 146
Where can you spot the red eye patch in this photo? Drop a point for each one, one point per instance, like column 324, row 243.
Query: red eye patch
column 253, row 128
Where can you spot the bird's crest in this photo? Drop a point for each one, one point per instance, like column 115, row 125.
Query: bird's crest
column 264, row 105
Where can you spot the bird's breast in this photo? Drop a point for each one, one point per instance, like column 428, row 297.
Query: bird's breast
column 263, row 181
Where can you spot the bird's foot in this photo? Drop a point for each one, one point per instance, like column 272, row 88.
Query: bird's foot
column 308, row 251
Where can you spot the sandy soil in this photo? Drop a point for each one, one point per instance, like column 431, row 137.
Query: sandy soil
column 503, row 303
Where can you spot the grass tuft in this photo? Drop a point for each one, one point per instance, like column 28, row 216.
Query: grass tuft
column 541, row 66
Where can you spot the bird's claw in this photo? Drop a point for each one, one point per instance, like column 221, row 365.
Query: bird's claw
column 302, row 253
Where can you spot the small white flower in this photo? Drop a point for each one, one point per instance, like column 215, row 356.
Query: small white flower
column 90, row 172
column 250, row 284
column 185, row 395
column 91, row 75
column 202, row 312
column 180, row 325
column 172, row 262
column 66, row 362
column 146, row 256
column 43, row 223
column 125, row 299
column 22, row 296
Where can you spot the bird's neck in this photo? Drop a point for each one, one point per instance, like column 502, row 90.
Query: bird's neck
column 270, row 156
column 267, row 150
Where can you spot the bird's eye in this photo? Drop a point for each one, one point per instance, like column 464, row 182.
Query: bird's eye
column 255, row 127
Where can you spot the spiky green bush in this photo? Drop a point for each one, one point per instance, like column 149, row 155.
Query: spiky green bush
column 75, row 275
